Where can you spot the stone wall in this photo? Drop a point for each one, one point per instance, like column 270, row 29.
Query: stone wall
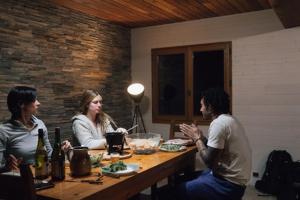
column 62, row 53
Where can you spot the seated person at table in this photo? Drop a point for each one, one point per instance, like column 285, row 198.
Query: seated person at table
column 226, row 153
column 19, row 134
column 90, row 125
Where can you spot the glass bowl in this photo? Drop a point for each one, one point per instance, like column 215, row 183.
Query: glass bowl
column 143, row 143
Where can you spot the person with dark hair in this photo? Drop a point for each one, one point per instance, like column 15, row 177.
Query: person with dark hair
column 19, row 134
column 91, row 123
column 226, row 152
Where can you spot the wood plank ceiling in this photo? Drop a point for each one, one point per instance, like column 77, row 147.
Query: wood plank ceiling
column 141, row 13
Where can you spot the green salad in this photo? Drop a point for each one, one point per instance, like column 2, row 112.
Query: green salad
column 96, row 159
column 170, row 147
column 114, row 167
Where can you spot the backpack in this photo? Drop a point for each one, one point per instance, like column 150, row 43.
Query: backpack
column 277, row 174
column 296, row 171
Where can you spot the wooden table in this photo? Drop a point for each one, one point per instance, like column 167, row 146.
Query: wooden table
column 153, row 168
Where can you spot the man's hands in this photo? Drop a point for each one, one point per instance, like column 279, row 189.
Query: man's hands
column 66, row 145
column 191, row 131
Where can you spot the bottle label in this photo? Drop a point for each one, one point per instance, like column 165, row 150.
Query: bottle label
column 41, row 167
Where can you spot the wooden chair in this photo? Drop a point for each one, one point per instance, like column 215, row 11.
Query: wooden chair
column 18, row 187
column 175, row 131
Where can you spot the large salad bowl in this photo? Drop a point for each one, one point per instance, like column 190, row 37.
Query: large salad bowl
column 143, row 143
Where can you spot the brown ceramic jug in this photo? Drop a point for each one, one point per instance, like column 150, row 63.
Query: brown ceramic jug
column 80, row 163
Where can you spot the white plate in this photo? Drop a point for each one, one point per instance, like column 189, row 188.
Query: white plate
column 179, row 141
column 182, row 148
column 131, row 168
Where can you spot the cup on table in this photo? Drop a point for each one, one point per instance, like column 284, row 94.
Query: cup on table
column 114, row 157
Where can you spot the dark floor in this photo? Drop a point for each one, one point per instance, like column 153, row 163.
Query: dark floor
column 162, row 193
column 144, row 197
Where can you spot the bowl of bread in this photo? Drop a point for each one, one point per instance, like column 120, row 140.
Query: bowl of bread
column 143, row 143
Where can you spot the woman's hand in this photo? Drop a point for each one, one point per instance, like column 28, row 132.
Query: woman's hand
column 191, row 131
column 66, row 145
column 12, row 162
column 122, row 130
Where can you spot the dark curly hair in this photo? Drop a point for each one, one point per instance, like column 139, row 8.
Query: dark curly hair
column 17, row 96
column 217, row 99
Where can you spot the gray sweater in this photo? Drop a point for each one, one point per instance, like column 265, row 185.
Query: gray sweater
column 19, row 141
column 86, row 134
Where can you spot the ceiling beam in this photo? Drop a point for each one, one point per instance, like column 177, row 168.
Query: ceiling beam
column 288, row 11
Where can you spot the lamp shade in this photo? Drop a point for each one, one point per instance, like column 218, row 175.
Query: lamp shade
column 136, row 91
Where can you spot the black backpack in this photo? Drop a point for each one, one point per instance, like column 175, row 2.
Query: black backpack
column 296, row 171
column 278, row 173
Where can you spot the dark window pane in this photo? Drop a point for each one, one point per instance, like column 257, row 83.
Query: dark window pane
column 208, row 72
column 171, row 84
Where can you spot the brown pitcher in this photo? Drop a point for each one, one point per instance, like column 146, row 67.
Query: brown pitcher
column 80, row 163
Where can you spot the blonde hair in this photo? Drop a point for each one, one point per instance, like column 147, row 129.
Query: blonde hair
column 102, row 118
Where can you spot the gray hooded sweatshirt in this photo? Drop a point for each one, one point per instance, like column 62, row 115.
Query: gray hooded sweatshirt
column 86, row 134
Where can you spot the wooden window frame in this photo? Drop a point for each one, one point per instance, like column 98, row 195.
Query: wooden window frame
column 188, row 68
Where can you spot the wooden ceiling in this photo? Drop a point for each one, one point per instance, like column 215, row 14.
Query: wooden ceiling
column 141, row 13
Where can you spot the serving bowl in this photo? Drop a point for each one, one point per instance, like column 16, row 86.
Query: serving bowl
column 143, row 143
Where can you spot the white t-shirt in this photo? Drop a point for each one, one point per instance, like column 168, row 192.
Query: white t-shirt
column 227, row 133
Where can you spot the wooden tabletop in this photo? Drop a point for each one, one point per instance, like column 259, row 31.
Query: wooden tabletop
column 153, row 168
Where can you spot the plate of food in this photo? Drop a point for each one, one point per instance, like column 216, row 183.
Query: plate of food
column 120, row 168
column 180, row 141
column 172, row 147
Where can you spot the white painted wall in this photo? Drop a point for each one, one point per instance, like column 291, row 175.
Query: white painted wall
column 266, row 91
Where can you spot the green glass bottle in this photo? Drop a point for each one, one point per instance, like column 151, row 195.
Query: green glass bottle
column 57, row 159
column 41, row 158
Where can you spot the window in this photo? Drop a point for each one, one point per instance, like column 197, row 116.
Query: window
column 180, row 74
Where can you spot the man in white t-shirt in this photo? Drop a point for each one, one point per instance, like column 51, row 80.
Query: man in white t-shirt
column 226, row 152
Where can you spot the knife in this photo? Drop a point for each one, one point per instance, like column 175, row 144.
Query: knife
column 132, row 128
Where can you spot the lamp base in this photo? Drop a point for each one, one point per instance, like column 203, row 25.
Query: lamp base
column 138, row 119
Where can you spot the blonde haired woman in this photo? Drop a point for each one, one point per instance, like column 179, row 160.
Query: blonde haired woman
column 91, row 123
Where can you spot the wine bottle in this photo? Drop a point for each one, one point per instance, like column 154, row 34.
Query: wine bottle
column 57, row 159
column 41, row 158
